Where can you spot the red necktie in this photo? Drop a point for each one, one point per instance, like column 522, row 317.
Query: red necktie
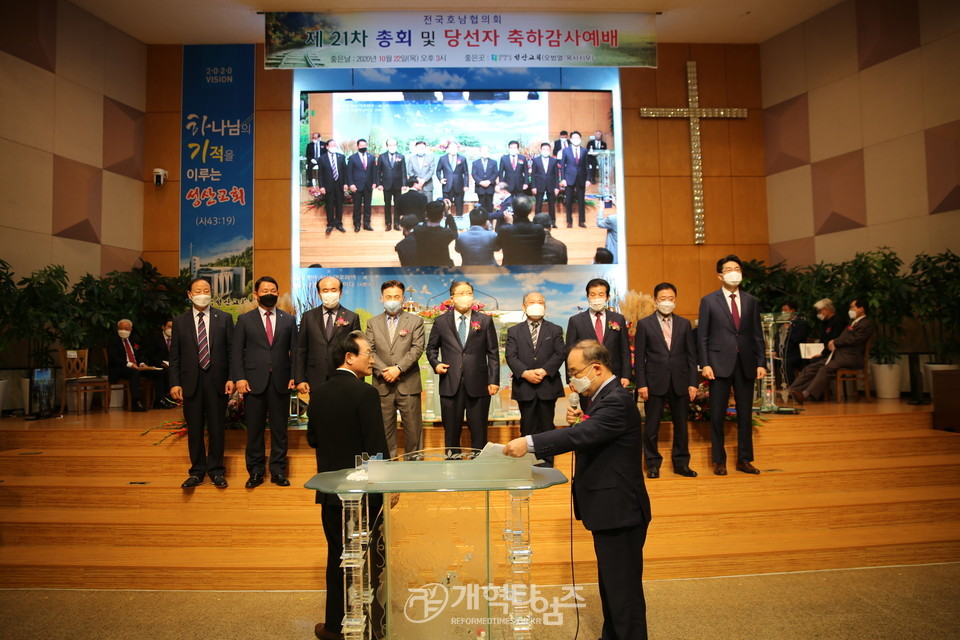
column 132, row 359
column 598, row 327
column 269, row 329
column 513, row 161
column 735, row 310
column 363, row 159
column 667, row 333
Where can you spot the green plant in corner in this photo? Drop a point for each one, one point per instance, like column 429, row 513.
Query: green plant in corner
column 8, row 304
column 936, row 303
column 42, row 304
column 878, row 277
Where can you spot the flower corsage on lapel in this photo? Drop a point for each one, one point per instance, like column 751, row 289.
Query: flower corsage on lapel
column 341, row 321
column 614, row 326
column 403, row 332
column 475, row 325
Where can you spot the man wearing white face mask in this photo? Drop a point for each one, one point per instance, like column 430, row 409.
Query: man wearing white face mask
column 125, row 361
column 666, row 367
column 843, row 352
column 396, row 338
column 609, row 496
column 319, row 330
column 535, row 352
column 604, row 325
column 464, row 351
column 731, row 353
column 200, row 377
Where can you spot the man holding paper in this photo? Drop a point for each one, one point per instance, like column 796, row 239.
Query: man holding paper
column 609, row 496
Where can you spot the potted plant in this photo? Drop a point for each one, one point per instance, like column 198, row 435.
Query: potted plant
column 936, row 305
column 8, row 304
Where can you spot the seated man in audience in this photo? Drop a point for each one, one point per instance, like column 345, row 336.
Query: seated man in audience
column 433, row 240
column 477, row 244
column 790, row 335
column 407, row 248
column 522, row 241
column 602, row 256
column 158, row 355
column 843, row 352
column 124, row 361
column 554, row 251
column 831, row 323
column 412, row 200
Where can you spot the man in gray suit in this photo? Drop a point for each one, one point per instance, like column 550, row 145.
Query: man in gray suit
column 319, row 330
column 422, row 166
column 397, row 340
column 843, row 352
column 666, row 372
column 261, row 361
column 731, row 353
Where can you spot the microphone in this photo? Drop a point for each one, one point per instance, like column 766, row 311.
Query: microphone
column 574, row 399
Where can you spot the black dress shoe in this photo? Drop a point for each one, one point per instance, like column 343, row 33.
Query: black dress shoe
column 367, row 227
column 653, row 472
column 720, row 469
column 746, row 467
column 798, row 396
column 191, row 482
column 325, row 634
column 280, row 480
column 356, row 229
column 219, row 482
column 329, row 230
column 255, row 481
column 583, row 226
column 685, row 471
column 341, row 229
column 138, row 407
column 389, row 228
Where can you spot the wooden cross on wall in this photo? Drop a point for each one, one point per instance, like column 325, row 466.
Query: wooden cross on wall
column 693, row 113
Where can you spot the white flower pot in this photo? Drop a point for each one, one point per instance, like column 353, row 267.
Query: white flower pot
column 928, row 370
column 886, row 379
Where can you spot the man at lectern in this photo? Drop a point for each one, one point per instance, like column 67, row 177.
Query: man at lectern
column 609, row 496
column 344, row 422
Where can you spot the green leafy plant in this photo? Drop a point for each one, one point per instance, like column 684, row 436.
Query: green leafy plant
column 9, row 295
column 935, row 284
column 41, row 305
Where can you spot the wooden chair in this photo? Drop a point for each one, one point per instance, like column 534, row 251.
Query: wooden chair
column 146, row 386
column 75, row 378
column 855, row 375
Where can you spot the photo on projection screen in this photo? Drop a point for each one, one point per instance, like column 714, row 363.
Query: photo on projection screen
column 481, row 174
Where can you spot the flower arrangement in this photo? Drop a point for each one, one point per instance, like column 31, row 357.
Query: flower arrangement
column 431, row 313
column 177, row 428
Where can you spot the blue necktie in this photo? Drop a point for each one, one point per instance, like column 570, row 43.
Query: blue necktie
column 463, row 331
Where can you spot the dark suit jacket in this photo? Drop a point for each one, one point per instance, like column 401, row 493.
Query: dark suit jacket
column 608, row 489
column 617, row 341
column 157, row 350
column 830, row 329
column 326, row 172
column 433, row 246
column 515, row 178
column 392, row 178
column 254, row 359
column 721, row 341
column 549, row 355
column 544, row 181
column 456, row 177
column 575, row 173
column 479, row 174
column 558, row 146
column 851, row 343
column 312, row 363
column 185, row 357
column 313, row 153
column 554, row 251
column 477, row 245
column 117, row 354
column 664, row 370
column 522, row 243
column 345, row 421
column 362, row 178
column 796, row 336
column 474, row 365
column 407, row 251
column 413, row 201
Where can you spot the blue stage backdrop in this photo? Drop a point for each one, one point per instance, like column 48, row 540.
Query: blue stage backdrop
column 216, row 200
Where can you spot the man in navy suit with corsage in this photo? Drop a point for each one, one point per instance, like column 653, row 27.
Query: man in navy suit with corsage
column 731, row 353
column 464, row 351
column 319, row 330
column 604, row 325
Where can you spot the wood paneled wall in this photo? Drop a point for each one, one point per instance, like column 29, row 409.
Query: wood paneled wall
column 656, row 161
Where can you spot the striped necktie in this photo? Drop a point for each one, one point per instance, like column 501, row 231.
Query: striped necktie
column 202, row 345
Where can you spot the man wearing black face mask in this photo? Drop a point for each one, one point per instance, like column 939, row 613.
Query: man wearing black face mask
column 362, row 180
column 261, row 361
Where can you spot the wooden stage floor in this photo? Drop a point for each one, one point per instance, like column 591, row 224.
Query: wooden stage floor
column 88, row 502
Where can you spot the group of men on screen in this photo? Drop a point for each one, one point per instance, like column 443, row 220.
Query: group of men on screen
column 563, row 166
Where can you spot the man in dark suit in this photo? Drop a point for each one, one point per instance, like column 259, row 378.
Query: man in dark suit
column 609, row 496
column 604, row 325
column 314, row 151
column 666, row 368
column 477, row 244
column 333, row 184
column 393, row 175
column 452, row 175
column 790, row 335
column 832, row 324
column 264, row 344
column 200, row 377
column 397, row 340
column 574, row 179
column 522, row 241
column 484, row 172
column 561, row 143
column 554, row 251
column 407, row 248
column 731, row 353
column 535, row 352
column 362, row 180
column 158, row 355
column 597, row 143
column 126, row 361
column 319, row 329
column 545, row 181
column 412, row 201
column 433, row 240
column 843, row 352
column 464, row 351
column 345, row 422
column 513, row 169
